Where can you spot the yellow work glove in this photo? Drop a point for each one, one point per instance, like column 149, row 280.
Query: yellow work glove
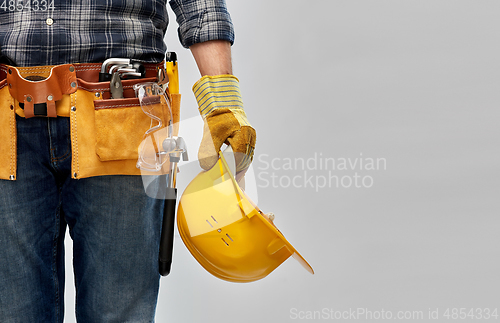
column 221, row 107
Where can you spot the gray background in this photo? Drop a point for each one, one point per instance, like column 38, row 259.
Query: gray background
column 413, row 82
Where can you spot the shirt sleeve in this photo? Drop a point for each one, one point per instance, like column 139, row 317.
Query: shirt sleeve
column 202, row 20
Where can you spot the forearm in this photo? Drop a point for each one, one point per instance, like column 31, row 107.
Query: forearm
column 213, row 57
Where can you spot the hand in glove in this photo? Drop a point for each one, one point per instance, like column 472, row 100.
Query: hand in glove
column 221, row 107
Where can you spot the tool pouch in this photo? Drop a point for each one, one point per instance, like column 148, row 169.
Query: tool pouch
column 119, row 128
column 105, row 132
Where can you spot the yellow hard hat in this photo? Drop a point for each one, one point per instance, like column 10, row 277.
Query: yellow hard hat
column 226, row 232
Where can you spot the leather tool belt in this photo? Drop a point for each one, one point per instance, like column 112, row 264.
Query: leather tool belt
column 105, row 132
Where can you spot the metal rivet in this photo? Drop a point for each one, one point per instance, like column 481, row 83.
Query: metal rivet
column 73, row 84
column 50, row 97
column 10, row 71
column 10, row 85
column 12, row 177
column 97, row 94
column 28, row 98
column 71, row 68
column 74, row 175
column 73, row 108
column 219, row 230
column 12, row 107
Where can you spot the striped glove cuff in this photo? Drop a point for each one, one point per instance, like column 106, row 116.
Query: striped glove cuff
column 221, row 91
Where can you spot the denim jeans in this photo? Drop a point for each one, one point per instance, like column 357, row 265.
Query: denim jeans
column 115, row 229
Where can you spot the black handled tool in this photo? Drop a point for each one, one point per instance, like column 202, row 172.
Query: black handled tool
column 176, row 147
column 167, row 231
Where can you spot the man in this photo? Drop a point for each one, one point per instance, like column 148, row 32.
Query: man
column 115, row 227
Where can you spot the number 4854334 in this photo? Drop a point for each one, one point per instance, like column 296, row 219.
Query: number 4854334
column 33, row 5
column 470, row 313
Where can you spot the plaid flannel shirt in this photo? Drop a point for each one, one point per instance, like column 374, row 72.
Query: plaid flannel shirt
column 50, row 32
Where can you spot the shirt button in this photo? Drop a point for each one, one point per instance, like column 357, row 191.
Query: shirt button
column 49, row 21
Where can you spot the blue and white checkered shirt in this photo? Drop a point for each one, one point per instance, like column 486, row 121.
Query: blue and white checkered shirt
column 50, row 32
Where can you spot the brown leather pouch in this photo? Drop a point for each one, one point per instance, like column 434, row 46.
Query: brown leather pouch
column 42, row 91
